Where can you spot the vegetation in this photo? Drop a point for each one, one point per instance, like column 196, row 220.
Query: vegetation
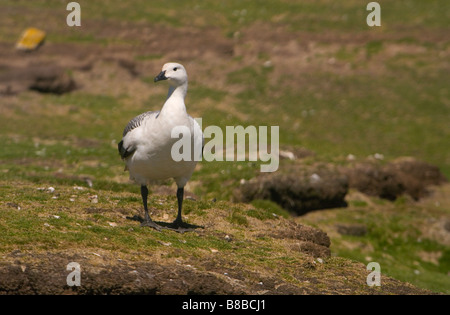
column 334, row 86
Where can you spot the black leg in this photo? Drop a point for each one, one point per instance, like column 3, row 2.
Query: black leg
column 144, row 194
column 147, row 220
column 178, row 225
column 180, row 194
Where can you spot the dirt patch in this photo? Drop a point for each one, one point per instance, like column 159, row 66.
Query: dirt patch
column 304, row 189
column 304, row 233
column 297, row 192
column 268, row 256
column 41, row 78
column 389, row 181
column 47, row 273
column 351, row 229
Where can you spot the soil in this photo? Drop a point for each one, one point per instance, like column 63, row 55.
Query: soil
column 301, row 190
column 102, row 273
column 298, row 192
column 403, row 176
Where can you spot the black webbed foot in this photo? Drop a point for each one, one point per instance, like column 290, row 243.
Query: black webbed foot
column 152, row 224
column 180, row 226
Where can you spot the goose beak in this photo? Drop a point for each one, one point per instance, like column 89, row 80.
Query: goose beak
column 161, row 76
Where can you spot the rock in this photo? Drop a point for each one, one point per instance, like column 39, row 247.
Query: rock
column 308, row 240
column 52, row 81
column 287, row 155
column 352, row 229
column 93, row 199
column 297, row 192
column 46, row 78
column 312, row 249
column 351, row 157
column 303, row 233
column 388, row 181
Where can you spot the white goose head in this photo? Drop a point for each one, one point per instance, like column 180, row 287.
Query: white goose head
column 175, row 73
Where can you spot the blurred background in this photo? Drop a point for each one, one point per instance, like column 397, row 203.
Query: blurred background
column 352, row 101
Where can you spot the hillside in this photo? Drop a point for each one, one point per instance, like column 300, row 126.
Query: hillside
column 355, row 105
column 239, row 250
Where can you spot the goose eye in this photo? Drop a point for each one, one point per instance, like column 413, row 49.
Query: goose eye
column 175, row 69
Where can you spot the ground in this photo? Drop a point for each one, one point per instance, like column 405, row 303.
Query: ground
column 239, row 250
column 341, row 92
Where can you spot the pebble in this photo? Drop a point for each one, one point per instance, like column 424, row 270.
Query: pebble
column 48, row 189
column 267, row 64
column 287, row 155
column 378, row 156
column 93, row 198
column 314, row 178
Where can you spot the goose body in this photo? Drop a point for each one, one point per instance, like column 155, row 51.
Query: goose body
column 147, row 142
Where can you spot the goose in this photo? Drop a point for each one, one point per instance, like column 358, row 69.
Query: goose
column 146, row 145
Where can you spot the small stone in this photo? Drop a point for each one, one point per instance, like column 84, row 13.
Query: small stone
column 287, row 155
column 93, row 198
column 88, row 182
column 267, row 64
column 314, row 178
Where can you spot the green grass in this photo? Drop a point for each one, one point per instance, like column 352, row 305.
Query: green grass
column 231, row 16
column 266, row 209
column 395, row 239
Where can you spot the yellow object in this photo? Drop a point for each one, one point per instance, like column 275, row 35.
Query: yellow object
column 30, row 39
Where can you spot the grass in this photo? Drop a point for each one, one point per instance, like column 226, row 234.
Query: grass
column 40, row 220
column 385, row 93
column 397, row 238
